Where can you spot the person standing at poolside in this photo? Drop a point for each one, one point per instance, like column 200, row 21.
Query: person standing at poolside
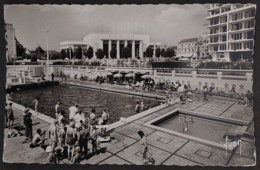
column 7, row 108
column 92, row 116
column 28, row 126
column 205, row 92
column 73, row 110
column 79, row 119
column 143, row 147
column 36, row 103
column 70, row 139
column 53, row 136
column 83, row 138
column 104, row 117
column 94, row 136
column 52, row 76
column 10, row 116
column 57, row 106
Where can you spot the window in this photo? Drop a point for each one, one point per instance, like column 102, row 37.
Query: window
column 224, row 29
column 249, row 24
column 237, row 16
column 248, row 45
column 224, row 38
column 250, row 13
column 236, row 27
column 236, row 46
column 223, row 47
column 249, row 35
column 215, row 48
column 6, row 36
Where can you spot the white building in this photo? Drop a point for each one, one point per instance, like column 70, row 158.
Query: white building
column 231, row 31
column 10, row 43
column 136, row 43
column 189, row 48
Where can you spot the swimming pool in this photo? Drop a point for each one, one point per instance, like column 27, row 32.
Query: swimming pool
column 118, row 105
column 198, row 127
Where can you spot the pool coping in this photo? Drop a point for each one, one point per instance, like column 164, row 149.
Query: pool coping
column 193, row 138
column 138, row 94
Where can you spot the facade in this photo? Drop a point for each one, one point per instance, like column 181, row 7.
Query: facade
column 231, row 31
column 11, row 53
column 137, row 43
column 65, row 45
column 190, row 48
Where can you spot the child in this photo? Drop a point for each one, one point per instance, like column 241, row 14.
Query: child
column 52, row 158
column 77, row 154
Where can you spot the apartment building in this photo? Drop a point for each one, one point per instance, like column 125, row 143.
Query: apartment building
column 230, row 31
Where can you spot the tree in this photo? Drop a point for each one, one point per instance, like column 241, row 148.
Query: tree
column 149, row 52
column 55, row 56
column 89, row 52
column 126, row 52
column 100, row 53
column 170, row 52
column 39, row 50
column 113, row 52
column 158, row 52
column 63, row 54
column 163, row 53
column 78, row 53
column 20, row 50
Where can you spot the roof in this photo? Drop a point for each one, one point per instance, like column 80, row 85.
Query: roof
column 73, row 43
column 173, row 47
column 188, row 40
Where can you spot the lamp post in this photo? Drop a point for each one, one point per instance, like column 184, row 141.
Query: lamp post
column 47, row 42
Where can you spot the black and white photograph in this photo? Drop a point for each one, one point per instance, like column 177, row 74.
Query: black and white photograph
column 128, row 84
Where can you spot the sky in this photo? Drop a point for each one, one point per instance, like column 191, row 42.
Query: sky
column 167, row 24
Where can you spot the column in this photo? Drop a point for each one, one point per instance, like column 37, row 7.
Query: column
column 117, row 50
column 125, row 43
column 133, row 49
column 141, row 49
column 154, row 48
column 109, row 48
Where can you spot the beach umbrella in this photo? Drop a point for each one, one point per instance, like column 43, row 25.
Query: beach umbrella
column 118, row 75
column 109, row 74
column 130, row 75
column 146, row 77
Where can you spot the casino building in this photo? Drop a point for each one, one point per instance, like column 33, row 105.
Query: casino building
column 136, row 43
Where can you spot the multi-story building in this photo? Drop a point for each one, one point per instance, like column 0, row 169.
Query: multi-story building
column 231, row 31
column 190, row 48
column 10, row 43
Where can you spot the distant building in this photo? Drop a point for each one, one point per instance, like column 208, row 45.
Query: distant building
column 10, row 43
column 136, row 43
column 190, row 48
column 231, row 31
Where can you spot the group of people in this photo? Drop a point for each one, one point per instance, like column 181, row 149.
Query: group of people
column 70, row 140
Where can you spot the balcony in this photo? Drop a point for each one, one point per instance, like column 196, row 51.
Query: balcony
column 241, row 30
column 241, row 19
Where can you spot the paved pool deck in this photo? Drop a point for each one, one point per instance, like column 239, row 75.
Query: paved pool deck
column 165, row 148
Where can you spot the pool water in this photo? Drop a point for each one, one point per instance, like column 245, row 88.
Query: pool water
column 198, row 127
column 117, row 105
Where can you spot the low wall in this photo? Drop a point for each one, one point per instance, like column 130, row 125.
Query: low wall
column 223, row 79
